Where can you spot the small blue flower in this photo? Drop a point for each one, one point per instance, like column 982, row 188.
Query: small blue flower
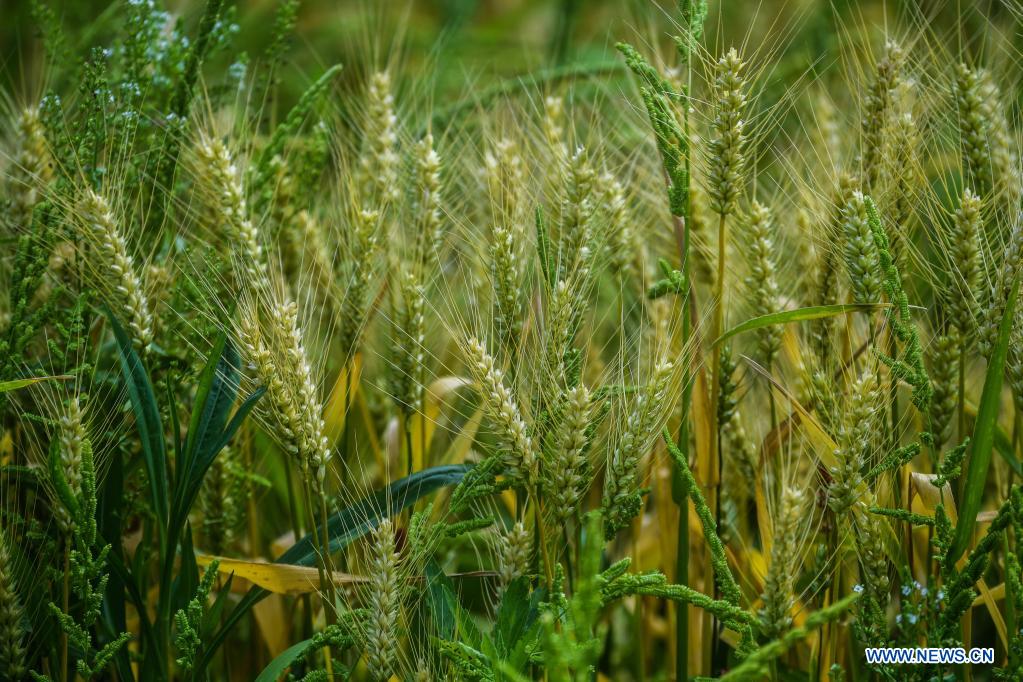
column 898, row 618
column 857, row 588
column 912, row 618
column 237, row 71
column 906, row 590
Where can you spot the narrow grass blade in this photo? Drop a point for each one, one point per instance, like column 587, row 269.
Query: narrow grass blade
column 982, row 442
column 147, row 420
column 6, row 386
column 280, row 665
column 814, row 312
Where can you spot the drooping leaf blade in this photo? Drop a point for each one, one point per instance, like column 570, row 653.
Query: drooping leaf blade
column 15, row 384
column 814, row 312
column 355, row 521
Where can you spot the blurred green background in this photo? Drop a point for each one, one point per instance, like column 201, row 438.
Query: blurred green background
column 458, row 42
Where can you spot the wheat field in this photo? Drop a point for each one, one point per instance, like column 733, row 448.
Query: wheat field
column 510, row 340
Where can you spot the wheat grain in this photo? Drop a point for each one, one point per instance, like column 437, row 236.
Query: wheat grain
column 967, row 270
column 861, row 258
column 383, row 601
column 116, row 269
column 513, row 554
column 944, row 375
column 565, row 472
column 380, row 161
column 278, row 356
column 726, row 149
column 879, row 111
column 33, row 167
column 429, row 201
column 778, row 596
column 219, row 176
column 762, row 279
column 516, row 448
column 621, row 499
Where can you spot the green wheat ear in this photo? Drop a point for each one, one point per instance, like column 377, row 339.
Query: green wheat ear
column 762, row 279
column 518, row 454
column 12, row 617
column 778, row 596
column 967, row 264
column 727, row 148
column 945, row 358
column 102, row 229
column 879, row 111
column 861, row 254
column 623, row 498
column 383, row 603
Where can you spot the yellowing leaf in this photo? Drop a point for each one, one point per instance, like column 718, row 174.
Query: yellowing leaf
column 928, row 496
column 272, row 623
column 276, row 578
column 997, row 593
column 702, row 427
column 340, row 401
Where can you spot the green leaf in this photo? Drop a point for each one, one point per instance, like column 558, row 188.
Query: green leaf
column 440, row 597
column 814, row 312
column 277, row 667
column 354, row 522
column 122, row 575
column 452, row 621
column 147, row 420
column 187, row 581
column 207, row 409
column 520, row 633
column 6, row 386
column 210, row 430
column 982, row 441
column 512, row 615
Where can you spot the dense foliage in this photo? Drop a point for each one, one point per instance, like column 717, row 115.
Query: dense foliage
column 698, row 356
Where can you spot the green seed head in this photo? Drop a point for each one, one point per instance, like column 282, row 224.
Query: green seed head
column 727, row 148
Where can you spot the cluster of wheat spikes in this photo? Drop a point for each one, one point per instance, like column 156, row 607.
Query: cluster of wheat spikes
column 707, row 363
